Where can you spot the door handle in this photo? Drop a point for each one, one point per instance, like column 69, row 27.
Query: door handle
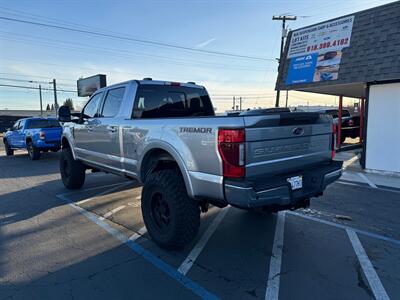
column 112, row 128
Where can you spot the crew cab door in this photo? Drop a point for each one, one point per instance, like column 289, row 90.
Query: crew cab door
column 106, row 130
column 20, row 138
column 85, row 143
column 13, row 134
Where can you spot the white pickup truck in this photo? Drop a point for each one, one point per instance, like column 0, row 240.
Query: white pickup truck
column 166, row 135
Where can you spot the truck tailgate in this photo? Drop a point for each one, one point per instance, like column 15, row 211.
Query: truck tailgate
column 286, row 142
column 53, row 134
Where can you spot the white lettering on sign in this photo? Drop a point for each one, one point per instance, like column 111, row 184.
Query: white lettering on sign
column 329, row 36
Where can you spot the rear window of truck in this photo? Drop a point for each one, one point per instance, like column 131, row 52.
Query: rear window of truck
column 43, row 124
column 164, row 101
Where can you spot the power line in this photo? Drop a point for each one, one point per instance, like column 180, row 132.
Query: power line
column 102, row 70
column 36, row 76
column 132, row 55
column 34, row 88
column 22, row 80
column 149, row 42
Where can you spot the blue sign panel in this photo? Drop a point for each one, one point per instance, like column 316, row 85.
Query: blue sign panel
column 301, row 69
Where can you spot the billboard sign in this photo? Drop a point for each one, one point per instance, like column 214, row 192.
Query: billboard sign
column 329, row 36
column 315, row 52
column 87, row 86
column 301, row 69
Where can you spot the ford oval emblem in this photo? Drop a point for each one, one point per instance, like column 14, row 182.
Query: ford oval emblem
column 298, row 131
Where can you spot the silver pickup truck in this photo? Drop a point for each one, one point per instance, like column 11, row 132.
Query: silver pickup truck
column 166, row 135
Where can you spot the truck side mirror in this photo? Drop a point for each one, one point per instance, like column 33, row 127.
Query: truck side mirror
column 64, row 114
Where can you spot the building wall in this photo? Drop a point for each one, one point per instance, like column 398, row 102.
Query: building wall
column 383, row 132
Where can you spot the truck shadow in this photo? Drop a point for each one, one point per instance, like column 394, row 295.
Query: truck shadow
column 20, row 165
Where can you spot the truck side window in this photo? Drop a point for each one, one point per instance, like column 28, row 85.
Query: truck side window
column 92, row 107
column 113, row 102
column 160, row 101
column 16, row 125
column 21, row 124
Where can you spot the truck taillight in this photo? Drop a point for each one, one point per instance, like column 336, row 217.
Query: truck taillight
column 42, row 135
column 231, row 148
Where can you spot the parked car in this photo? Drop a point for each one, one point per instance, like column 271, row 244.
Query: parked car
column 350, row 124
column 34, row 134
column 166, row 135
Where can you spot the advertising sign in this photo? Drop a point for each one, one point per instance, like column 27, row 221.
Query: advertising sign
column 316, row 51
column 87, row 86
column 330, row 36
column 301, row 69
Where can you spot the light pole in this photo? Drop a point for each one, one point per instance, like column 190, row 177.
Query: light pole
column 281, row 59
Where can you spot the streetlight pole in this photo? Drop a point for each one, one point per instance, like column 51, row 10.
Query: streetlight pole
column 281, row 59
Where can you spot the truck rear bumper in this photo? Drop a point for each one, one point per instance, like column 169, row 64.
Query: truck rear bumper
column 47, row 144
column 276, row 191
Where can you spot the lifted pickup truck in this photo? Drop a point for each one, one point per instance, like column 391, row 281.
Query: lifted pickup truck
column 166, row 135
column 34, row 134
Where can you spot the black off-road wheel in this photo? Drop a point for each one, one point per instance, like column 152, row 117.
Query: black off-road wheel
column 34, row 153
column 8, row 149
column 171, row 217
column 72, row 171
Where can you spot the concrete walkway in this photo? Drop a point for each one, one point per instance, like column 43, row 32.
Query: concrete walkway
column 354, row 172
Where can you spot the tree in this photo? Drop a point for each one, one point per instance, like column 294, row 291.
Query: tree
column 52, row 107
column 48, row 107
column 68, row 102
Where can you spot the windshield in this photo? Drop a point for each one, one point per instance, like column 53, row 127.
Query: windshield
column 45, row 123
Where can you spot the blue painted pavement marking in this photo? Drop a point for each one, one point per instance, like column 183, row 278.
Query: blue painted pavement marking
column 155, row 261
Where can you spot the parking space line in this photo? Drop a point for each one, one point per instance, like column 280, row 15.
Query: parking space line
column 92, row 188
column 272, row 291
column 135, row 204
column 111, row 212
column 365, row 178
column 138, row 234
column 349, row 183
column 367, row 267
column 191, row 258
column 364, row 185
column 345, row 227
column 103, row 193
column 347, row 163
column 145, row 254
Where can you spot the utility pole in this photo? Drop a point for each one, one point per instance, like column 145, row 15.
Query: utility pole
column 240, row 103
column 287, row 98
column 234, row 102
column 40, row 96
column 55, row 96
column 281, row 59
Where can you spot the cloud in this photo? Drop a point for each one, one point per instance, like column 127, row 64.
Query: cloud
column 205, row 43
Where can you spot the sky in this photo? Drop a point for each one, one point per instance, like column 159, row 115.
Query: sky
column 241, row 27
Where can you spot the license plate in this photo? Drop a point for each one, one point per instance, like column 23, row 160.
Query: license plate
column 296, row 182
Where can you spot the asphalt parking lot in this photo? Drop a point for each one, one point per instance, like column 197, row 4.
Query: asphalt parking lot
column 58, row 244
